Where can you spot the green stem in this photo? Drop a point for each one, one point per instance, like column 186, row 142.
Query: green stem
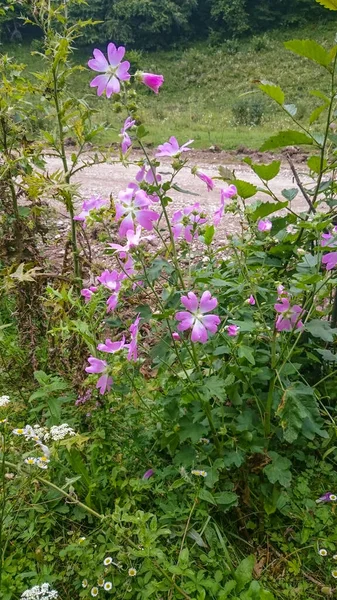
column 270, row 397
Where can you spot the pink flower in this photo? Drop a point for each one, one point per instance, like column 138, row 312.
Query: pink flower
column 187, row 222
column 126, row 140
column 281, row 289
column 251, row 300
column 152, row 81
column 111, row 347
column 232, row 330
column 148, row 474
column 176, row 336
column 225, row 194
column 99, row 366
column 94, row 203
column 172, row 148
column 111, row 280
column 87, row 293
column 289, row 315
column 206, row 179
column 195, row 317
column 330, row 260
column 264, row 225
column 133, row 205
column 134, row 330
column 148, row 175
column 133, row 240
column 113, row 71
column 111, row 303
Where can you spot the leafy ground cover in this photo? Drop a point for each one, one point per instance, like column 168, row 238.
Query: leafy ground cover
column 167, row 410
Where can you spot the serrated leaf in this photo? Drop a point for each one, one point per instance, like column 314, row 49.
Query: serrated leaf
column 321, row 329
column 244, row 188
column 329, row 4
column 214, row 386
column 290, row 194
column 327, row 355
column 245, row 352
column 265, row 172
column 278, row 470
column 286, row 138
column 273, row 91
column 311, row 50
column 206, row 496
column 267, row 208
column 298, row 403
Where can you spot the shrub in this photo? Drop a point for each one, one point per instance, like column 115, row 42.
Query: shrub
column 248, row 111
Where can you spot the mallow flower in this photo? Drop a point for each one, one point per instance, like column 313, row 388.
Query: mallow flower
column 289, row 316
column 149, row 175
column 151, row 80
column 134, row 330
column 111, row 280
column 330, row 260
column 195, row 316
column 225, row 194
column 126, row 140
column 232, row 330
column 133, row 205
column 94, row 203
column 113, row 70
column 264, row 225
column 172, row 148
column 186, row 223
column 133, row 240
column 205, row 178
column 111, row 347
column 87, row 293
column 100, row 366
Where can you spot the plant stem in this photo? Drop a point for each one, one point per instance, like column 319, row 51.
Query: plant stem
column 269, row 404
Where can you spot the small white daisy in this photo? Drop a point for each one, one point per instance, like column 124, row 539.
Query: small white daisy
column 334, row 573
column 323, row 552
column 30, row 460
column 94, row 591
column 107, row 561
column 81, row 540
column 85, row 583
column 132, row 572
column 100, row 582
column 108, row 586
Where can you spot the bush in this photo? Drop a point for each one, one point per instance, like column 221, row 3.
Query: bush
column 248, row 112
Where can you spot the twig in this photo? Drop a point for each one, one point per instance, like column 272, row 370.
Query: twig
column 299, row 183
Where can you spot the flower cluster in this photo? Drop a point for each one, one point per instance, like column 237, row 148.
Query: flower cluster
column 4, row 401
column 40, row 592
column 186, row 223
column 59, row 432
column 289, row 315
column 199, row 473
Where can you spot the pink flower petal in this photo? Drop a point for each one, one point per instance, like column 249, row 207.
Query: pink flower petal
column 199, row 333
column 113, row 86
column 100, row 82
column 207, row 303
column 211, row 322
column 190, row 301
column 115, row 55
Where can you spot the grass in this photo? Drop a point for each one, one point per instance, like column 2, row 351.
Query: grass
column 202, row 83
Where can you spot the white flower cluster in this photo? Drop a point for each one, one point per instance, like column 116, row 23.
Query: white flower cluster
column 43, row 592
column 59, row 432
column 4, row 400
column 30, row 433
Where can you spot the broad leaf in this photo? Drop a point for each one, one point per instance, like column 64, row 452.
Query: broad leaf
column 214, row 387
column 265, row 172
column 207, row 496
column 244, row 572
column 316, row 113
column 278, row 470
column 226, row 498
column 321, row 329
column 196, row 537
column 273, row 91
column 330, row 4
column 247, row 353
column 290, row 194
column 327, row 355
column 311, row 50
column 298, row 403
column 267, row 208
column 314, row 164
column 244, row 188
column 286, row 138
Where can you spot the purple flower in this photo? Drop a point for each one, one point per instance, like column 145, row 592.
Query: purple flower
column 330, row 260
column 251, row 300
column 111, row 280
column 87, row 293
column 148, row 175
column 152, row 81
column 232, row 330
column 195, row 317
column 126, row 140
column 113, row 70
column 94, row 203
column 327, row 497
column 111, row 303
column 176, row 336
column 264, row 225
column 133, row 205
column 111, row 347
column 206, row 179
column 172, row 148
column 148, row 474
column 225, row 194
column 99, row 366
column 187, row 222
column 133, row 240
column 134, row 330
column 289, row 315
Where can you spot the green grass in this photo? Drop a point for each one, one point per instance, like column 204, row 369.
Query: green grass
column 202, row 83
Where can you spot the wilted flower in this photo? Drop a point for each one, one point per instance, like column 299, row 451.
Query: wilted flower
column 132, row 572
column 113, row 71
column 172, row 148
column 81, row 539
column 176, row 336
column 148, row 474
column 205, row 178
column 134, row 330
column 126, row 140
column 264, row 225
column 196, row 317
column 100, row 582
column 199, row 473
column 94, row 203
column 330, row 260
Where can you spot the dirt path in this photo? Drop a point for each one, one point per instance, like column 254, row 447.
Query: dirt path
column 109, row 179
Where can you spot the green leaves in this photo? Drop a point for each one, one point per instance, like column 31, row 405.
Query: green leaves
column 298, row 404
column 265, row 172
column 267, row 208
column 244, row 188
column 278, row 470
column 330, row 4
column 321, row 329
column 311, row 50
column 244, row 572
column 286, row 138
column 273, row 91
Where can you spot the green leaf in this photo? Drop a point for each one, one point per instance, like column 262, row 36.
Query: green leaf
column 298, row 403
column 141, row 132
column 267, row 208
column 196, row 537
column 286, row 138
column 226, row 498
column 214, row 386
column 330, row 4
column 244, row 572
column 278, row 470
column 246, row 352
column 314, row 164
column 273, row 91
column 321, row 329
column 311, row 50
column 327, row 355
column 290, row 194
column 244, row 188
column 316, row 113
column 209, row 234
column 177, row 188
column 265, row 172
column 207, row 496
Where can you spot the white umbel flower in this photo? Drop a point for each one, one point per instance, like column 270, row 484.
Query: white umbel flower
column 40, row 592
column 59, row 432
column 4, row 400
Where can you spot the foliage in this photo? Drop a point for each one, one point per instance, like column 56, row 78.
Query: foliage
column 180, row 425
column 248, row 111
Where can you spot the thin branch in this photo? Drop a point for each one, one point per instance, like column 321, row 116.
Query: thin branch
column 299, row 183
